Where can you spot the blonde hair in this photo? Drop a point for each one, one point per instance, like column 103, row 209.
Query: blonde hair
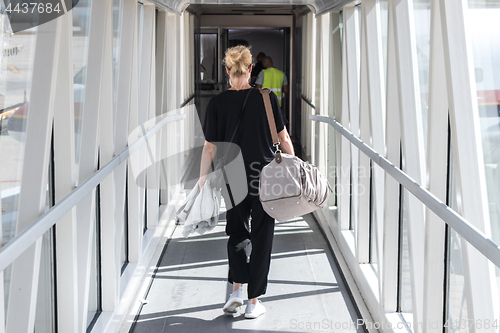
column 238, row 60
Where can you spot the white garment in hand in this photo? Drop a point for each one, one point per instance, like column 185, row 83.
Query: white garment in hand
column 200, row 210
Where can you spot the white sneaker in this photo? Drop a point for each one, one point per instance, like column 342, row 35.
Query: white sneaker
column 234, row 302
column 254, row 310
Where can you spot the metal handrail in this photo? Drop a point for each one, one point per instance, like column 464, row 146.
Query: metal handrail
column 469, row 232
column 308, row 101
column 183, row 104
column 31, row 234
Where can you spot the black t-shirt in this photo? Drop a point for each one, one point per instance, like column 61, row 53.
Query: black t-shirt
column 253, row 135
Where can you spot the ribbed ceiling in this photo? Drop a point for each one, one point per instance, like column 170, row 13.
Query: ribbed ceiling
column 318, row 6
column 210, row 9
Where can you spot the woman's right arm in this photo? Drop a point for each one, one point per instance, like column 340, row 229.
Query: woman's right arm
column 286, row 145
column 207, row 156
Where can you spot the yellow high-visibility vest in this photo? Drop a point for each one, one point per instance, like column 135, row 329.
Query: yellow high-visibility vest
column 273, row 79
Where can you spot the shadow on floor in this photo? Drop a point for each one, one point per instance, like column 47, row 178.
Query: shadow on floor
column 180, row 324
column 305, row 289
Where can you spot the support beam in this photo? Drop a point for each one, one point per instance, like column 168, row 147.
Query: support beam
column 64, row 171
column 110, row 257
column 377, row 105
column 147, row 110
column 344, row 170
column 335, row 138
column 318, row 96
column 135, row 193
column 363, row 232
column 85, row 210
column 352, row 35
column 412, row 142
column 391, row 186
column 437, row 171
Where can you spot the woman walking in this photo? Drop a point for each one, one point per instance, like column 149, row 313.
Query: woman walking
column 250, row 244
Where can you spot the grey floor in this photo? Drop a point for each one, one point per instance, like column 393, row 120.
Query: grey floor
column 305, row 291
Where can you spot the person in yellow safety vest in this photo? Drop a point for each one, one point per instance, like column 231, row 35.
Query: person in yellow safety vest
column 272, row 78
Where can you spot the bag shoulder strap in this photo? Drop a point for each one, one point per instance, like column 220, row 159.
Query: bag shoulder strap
column 229, row 192
column 226, row 151
column 272, row 124
column 239, row 117
column 270, row 116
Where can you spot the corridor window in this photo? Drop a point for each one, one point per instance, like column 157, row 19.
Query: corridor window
column 484, row 30
column 457, row 298
column 422, row 17
column 208, row 57
column 16, row 71
column 384, row 22
column 81, row 21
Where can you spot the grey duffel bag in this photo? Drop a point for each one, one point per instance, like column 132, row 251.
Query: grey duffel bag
column 290, row 187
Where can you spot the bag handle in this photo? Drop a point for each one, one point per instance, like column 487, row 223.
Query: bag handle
column 272, row 124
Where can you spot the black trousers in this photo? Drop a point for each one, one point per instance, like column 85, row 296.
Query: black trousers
column 249, row 247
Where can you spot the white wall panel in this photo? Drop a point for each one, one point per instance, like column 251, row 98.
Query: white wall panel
column 127, row 28
column 391, row 186
column 85, row 210
column 172, row 91
column 110, row 223
column 351, row 28
column 376, row 100
column 336, row 105
column 316, row 144
column 135, row 193
column 152, row 204
column 64, row 171
column 161, row 62
column 363, row 183
column 437, row 170
column 344, row 171
column 412, row 142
